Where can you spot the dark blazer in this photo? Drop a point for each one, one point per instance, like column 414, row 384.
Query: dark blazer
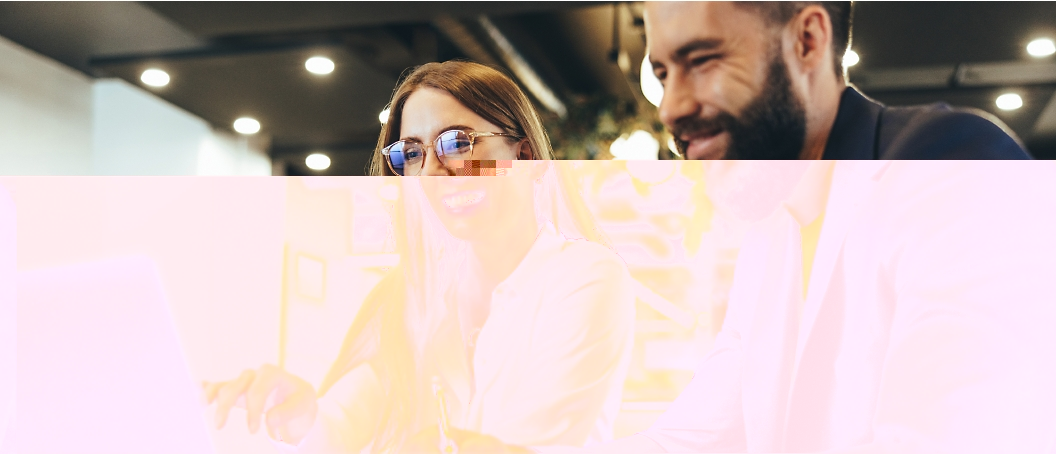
column 866, row 129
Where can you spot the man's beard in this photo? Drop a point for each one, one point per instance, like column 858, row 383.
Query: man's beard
column 772, row 126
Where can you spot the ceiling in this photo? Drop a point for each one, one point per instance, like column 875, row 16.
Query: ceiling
column 232, row 59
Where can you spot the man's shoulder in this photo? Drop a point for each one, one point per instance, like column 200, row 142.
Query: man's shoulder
column 938, row 131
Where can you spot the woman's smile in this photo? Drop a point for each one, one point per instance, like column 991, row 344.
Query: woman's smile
column 463, row 202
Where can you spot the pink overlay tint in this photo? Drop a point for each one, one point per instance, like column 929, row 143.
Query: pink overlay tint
column 648, row 306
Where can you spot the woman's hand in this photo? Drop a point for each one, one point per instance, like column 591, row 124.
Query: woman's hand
column 428, row 442
column 293, row 407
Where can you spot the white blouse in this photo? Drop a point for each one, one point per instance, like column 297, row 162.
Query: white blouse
column 549, row 364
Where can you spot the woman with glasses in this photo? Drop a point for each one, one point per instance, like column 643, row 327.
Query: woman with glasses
column 444, row 114
column 509, row 319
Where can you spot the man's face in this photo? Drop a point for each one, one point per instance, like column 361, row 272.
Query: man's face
column 727, row 90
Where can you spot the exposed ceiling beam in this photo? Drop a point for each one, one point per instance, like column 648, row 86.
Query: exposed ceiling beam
column 1046, row 122
column 463, row 38
column 378, row 47
column 73, row 32
column 993, row 74
column 215, row 19
column 522, row 70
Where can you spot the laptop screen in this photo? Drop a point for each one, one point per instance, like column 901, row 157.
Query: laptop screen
column 100, row 367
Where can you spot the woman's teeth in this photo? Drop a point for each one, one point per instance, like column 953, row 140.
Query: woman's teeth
column 463, row 199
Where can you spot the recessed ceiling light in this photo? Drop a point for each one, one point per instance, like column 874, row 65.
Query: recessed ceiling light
column 1041, row 47
column 1009, row 101
column 246, row 125
column 850, row 58
column 319, row 65
column 317, row 161
column 155, row 77
column 384, row 116
column 651, row 86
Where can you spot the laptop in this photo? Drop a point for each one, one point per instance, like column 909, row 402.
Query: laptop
column 100, row 366
column 8, row 317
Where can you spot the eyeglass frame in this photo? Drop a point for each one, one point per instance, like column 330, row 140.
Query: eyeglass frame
column 473, row 135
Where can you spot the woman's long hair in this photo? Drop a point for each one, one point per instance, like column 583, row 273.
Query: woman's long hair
column 484, row 90
column 392, row 329
column 405, row 310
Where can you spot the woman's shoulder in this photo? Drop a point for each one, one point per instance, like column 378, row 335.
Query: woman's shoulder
column 579, row 261
column 584, row 252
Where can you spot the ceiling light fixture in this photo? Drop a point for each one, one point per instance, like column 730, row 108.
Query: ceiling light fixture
column 155, row 77
column 1009, row 101
column 651, row 86
column 317, row 161
column 1041, row 47
column 850, row 58
column 246, row 125
column 384, row 116
column 319, row 65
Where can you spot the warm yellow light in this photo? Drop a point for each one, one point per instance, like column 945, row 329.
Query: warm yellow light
column 317, row 161
column 850, row 58
column 246, row 125
column 1009, row 101
column 651, row 86
column 1041, row 47
column 319, row 65
column 638, row 145
column 155, row 77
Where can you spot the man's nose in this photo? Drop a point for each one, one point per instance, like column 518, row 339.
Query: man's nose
column 678, row 102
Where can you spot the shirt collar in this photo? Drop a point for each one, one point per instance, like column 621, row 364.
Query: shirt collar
column 547, row 244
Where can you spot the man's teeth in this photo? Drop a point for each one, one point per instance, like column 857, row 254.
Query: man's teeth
column 462, row 200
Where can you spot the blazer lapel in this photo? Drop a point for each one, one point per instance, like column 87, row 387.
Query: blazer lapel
column 852, row 186
column 770, row 349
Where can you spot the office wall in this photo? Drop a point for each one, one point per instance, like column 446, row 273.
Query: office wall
column 57, row 121
column 45, row 115
column 137, row 133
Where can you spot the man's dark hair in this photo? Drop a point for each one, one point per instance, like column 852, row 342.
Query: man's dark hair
column 779, row 13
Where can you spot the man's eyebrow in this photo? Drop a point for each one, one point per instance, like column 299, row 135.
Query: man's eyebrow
column 695, row 45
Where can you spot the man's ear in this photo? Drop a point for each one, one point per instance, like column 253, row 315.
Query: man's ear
column 812, row 32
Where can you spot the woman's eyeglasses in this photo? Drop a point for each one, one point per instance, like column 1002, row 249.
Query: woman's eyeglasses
column 407, row 157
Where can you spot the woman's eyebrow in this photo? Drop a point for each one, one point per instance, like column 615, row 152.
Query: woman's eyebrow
column 441, row 131
column 450, row 127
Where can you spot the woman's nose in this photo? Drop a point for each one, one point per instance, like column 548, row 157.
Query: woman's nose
column 433, row 167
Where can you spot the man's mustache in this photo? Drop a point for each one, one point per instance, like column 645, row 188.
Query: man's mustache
column 693, row 127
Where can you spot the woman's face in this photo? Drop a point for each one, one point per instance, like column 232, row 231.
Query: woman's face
column 482, row 208
column 430, row 111
column 470, row 207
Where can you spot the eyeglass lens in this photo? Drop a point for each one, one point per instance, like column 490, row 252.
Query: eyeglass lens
column 408, row 158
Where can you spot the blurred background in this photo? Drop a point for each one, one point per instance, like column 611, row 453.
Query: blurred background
column 254, row 88
column 273, row 270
